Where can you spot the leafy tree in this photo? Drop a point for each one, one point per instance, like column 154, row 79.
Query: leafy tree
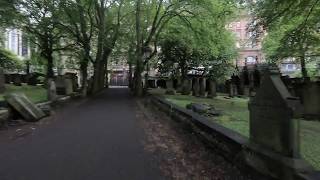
column 297, row 23
column 9, row 61
column 39, row 18
column 94, row 26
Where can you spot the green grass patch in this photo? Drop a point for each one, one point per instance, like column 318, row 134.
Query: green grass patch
column 35, row 93
column 235, row 115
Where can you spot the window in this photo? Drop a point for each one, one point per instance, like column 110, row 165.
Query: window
column 251, row 60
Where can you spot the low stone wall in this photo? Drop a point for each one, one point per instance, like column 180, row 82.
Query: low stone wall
column 234, row 146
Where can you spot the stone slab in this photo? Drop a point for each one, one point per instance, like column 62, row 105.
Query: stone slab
column 28, row 110
column 271, row 117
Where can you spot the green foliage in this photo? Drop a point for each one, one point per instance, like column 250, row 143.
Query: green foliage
column 201, row 39
column 293, row 29
column 9, row 61
column 35, row 93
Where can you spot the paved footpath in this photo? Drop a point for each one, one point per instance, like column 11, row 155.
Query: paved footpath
column 97, row 140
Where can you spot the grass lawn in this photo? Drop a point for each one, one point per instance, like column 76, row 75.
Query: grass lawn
column 35, row 93
column 235, row 115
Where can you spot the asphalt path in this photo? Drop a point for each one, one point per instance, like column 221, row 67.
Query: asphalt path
column 99, row 139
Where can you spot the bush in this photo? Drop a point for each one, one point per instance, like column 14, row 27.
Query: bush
column 9, row 61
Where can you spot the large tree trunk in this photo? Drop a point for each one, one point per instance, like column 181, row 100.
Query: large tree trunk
column 304, row 71
column 84, row 81
column 130, row 76
column 138, row 88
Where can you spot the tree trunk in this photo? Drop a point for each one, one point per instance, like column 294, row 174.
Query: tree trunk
column 50, row 73
column 84, row 81
column 304, row 71
column 130, row 76
column 138, row 88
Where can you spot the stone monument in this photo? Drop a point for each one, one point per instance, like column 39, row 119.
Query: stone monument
column 52, row 90
column 202, row 88
column 28, row 110
column 274, row 134
column 271, row 117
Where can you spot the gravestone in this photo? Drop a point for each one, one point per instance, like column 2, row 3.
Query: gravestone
column 28, row 110
column 185, row 86
column 202, row 88
column 52, row 90
column 212, row 89
column 17, row 81
column 271, row 117
column 195, row 87
column 2, row 81
column 169, row 85
column 311, row 99
column 64, row 85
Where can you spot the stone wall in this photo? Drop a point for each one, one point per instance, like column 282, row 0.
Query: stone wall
column 235, row 147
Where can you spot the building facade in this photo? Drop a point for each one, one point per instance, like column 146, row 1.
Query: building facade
column 17, row 43
column 249, row 48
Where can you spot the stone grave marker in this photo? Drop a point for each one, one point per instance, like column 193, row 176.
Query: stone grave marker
column 170, row 90
column 17, row 79
column 2, row 81
column 271, row 117
column 28, row 110
column 64, row 85
column 52, row 90
column 196, row 87
column 202, row 87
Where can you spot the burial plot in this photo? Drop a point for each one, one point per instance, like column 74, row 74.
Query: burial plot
column 64, row 85
column 271, row 117
column 28, row 110
column 2, row 81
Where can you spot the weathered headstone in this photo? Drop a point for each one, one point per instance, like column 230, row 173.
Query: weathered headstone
column 17, row 79
column 52, row 90
column 169, row 85
column 69, row 86
column 271, row 117
column 185, row 87
column 202, row 88
column 195, row 87
column 28, row 110
column 4, row 115
column 311, row 99
column 64, row 85
column 212, row 89
column 2, row 81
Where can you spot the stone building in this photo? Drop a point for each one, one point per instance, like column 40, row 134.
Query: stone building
column 249, row 48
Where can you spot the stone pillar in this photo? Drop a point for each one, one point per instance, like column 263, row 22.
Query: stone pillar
column 212, row 89
column 2, row 81
column 196, row 88
column 202, row 87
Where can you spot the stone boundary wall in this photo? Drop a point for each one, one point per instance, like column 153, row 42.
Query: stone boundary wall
column 230, row 144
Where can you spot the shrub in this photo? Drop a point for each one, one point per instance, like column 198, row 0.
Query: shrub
column 9, row 61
